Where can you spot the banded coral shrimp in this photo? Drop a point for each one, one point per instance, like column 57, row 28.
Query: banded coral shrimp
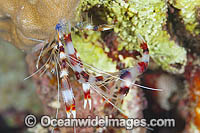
column 63, row 56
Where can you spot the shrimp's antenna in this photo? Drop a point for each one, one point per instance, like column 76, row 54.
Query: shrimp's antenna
column 58, row 97
column 121, row 111
column 38, row 69
column 103, row 72
column 33, row 39
column 38, row 60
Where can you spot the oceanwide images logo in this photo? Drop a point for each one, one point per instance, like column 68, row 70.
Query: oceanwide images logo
column 107, row 121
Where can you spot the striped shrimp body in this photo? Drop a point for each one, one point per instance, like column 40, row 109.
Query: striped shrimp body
column 81, row 75
column 128, row 76
column 124, row 80
column 63, row 53
column 67, row 93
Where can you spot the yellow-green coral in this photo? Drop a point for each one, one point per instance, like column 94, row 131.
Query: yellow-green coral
column 188, row 13
column 140, row 17
column 93, row 53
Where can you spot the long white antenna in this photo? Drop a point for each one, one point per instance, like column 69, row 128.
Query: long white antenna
column 148, row 88
column 38, row 69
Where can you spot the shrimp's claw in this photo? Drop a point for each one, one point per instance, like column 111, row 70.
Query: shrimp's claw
column 69, row 103
column 143, row 44
column 67, row 109
column 73, row 110
column 105, row 27
column 140, row 37
column 87, row 97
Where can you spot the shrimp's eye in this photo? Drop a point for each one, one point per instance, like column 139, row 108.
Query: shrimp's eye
column 58, row 27
column 96, row 28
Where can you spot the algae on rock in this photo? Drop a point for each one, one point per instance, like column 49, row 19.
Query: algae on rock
column 188, row 11
column 135, row 17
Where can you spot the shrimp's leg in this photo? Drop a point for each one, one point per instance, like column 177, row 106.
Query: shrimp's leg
column 87, row 97
column 129, row 75
column 103, row 27
column 82, row 76
column 85, row 26
column 78, row 69
column 75, row 61
column 67, row 94
column 68, row 98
